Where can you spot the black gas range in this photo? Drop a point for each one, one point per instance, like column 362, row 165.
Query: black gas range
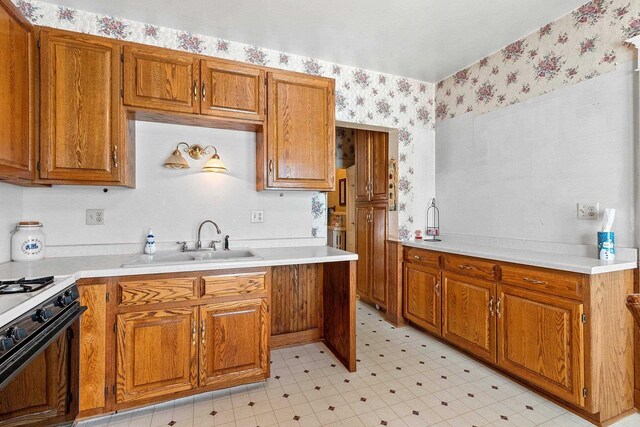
column 39, row 348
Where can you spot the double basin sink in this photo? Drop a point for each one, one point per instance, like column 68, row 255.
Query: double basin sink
column 193, row 257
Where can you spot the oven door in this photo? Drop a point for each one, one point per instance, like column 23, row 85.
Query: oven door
column 38, row 383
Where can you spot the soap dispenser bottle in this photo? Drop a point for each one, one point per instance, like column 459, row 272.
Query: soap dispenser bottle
column 150, row 246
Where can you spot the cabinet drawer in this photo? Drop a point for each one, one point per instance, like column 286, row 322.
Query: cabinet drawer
column 149, row 291
column 471, row 267
column 422, row 257
column 560, row 283
column 234, row 284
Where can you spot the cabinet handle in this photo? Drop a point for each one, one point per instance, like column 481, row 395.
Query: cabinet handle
column 438, row 288
column 491, row 306
column 535, row 282
column 498, row 308
column 203, row 329
column 114, row 156
column 465, row 266
column 271, row 167
column 195, row 90
column 193, row 332
column 204, row 91
column 418, row 257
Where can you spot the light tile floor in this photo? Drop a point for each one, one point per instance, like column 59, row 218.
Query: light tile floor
column 404, row 378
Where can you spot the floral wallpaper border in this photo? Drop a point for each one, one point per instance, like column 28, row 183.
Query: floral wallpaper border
column 362, row 96
column 581, row 45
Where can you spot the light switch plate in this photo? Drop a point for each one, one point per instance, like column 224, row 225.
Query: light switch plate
column 257, row 216
column 95, row 216
column 588, row 211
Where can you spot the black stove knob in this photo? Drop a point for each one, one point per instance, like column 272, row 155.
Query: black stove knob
column 43, row 314
column 64, row 300
column 16, row 333
column 6, row 343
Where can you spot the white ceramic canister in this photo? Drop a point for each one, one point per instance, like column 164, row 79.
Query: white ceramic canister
column 28, row 242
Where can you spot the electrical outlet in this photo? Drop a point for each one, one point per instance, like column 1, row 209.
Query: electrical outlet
column 95, row 216
column 588, row 210
column 257, row 216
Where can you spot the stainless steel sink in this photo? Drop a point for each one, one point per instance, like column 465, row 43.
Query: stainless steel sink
column 193, row 257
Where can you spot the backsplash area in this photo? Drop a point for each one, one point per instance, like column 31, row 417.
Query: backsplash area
column 174, row 202
column 10, row 214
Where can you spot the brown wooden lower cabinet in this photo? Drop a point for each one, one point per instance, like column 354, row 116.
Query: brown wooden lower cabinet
column 234, row 342
column 371, row 236
column 157, row 353
column 422, row 297
column 154, row 337
column 541, row 339
column 468, row 314
column 567, row 335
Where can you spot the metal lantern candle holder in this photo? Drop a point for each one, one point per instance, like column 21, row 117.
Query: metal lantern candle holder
column 433, row 222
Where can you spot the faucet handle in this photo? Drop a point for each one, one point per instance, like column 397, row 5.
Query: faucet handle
column 184, row 246
column 213, row 244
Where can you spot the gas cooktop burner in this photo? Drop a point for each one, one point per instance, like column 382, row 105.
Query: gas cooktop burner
column 24, row 285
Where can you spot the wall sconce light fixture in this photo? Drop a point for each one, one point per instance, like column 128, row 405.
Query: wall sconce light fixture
column 177, row 161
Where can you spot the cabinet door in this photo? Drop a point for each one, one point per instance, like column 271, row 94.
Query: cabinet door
column 234, row 346
column 541, row 340
column 157, row 353
column 301, row 132
column 379, row 166
column 422, row 298
column 363, row 165
column 80, row 104
column 93, row 345
column 16, row 95
column 158, row 79
column 378, row 255
column 363, row 237
column 469, row 314
column 232, row 90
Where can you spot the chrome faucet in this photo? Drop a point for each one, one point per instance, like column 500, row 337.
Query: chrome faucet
column 199, row 242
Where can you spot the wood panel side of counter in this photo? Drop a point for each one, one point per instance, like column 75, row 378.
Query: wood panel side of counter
column 296, row 295
column 339, row 311
column 394, row 283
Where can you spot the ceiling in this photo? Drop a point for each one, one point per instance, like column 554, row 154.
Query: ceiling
column 423, row 39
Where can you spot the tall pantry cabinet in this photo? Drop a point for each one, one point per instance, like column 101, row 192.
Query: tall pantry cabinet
column 371, row 214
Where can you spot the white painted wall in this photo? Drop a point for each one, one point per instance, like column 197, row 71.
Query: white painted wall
column 10, row 214
column 424, row 165
column 518, row 172
column 174, row 202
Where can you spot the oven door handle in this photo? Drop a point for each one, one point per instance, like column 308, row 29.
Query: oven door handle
column 17, row 362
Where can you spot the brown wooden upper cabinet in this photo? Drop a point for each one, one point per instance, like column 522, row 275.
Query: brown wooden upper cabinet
column 80, row 141
column 299, row 152
column 371, row 166
column 232, row 90
column 163, row 80
column 154, row 79
column 17, row 160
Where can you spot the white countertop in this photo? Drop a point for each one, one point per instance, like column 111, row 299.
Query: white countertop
column 69, row 269
column 556, row 261
column 111, row 265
